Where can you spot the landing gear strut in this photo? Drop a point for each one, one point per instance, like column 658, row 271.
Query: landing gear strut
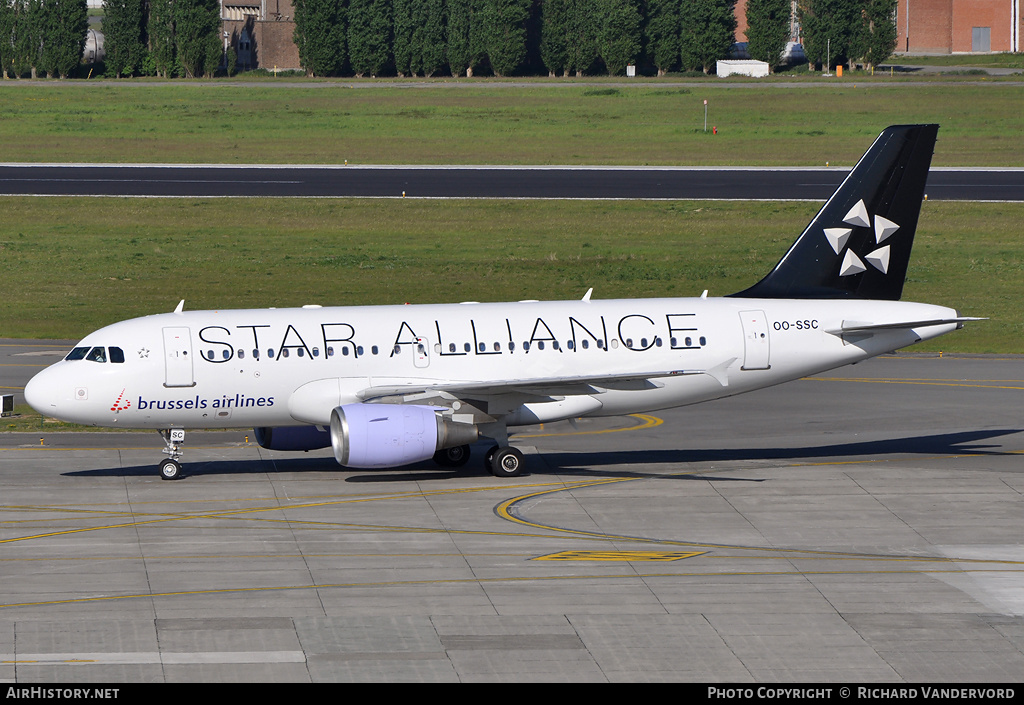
column 501, row 460
column 170, row 468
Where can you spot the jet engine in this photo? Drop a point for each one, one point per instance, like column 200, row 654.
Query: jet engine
column 293, row 437
column 388, row 435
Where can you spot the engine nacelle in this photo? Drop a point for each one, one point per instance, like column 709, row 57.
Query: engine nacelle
column 388, row 435
column 293, row 437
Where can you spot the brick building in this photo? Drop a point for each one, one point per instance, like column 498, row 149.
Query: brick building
column 261, row 32
column 958, row 26
column 942, row 26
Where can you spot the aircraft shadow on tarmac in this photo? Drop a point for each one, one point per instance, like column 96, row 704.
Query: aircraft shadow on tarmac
column 608, row 463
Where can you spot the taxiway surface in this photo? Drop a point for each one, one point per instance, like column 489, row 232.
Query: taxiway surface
column 863, row 525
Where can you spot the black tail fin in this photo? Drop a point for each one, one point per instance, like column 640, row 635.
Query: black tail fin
column 858, row 245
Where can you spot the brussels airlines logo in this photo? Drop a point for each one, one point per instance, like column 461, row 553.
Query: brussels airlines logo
column 117, row 404
column 237, row 401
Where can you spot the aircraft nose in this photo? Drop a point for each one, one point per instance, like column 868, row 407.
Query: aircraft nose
column 40, row 393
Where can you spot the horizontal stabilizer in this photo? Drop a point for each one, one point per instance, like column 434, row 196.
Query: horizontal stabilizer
column 862, row 327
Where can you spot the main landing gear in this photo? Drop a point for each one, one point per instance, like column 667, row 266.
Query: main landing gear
column 499, row 461
column 170, row 468
column 452, row 457
column 504, row 461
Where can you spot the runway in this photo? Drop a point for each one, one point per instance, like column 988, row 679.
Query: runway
column 860, row 526
column 815, row 184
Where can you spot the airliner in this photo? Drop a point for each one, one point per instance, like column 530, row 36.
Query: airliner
column 387, row 386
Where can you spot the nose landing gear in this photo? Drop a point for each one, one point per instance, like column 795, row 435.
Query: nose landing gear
column 170, row 468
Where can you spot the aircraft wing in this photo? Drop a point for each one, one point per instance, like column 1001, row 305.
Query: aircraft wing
column 539, row 389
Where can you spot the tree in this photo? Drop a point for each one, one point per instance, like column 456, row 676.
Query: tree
column 65, row 23
column 162, row 51
column 505, row 34
column 124, row 35
column 320, row 35
column 554, row 52
column 194, row 23
column 874, row 39
column 370, row 36
column 465, row 37
column 768, row 30
column 430, row 36
column 7, row 19
column 216, row 54
column 618, row 34
column 708, row 29
column 583, row 27
column 407, row 48
column 29, row 34
column 828, row 27
column 662, row 34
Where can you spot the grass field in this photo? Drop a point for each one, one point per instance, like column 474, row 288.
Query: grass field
column 492, row 122
column 990, row 61
column 69, row 266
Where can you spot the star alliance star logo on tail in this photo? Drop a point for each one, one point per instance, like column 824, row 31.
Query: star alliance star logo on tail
column 858, row 218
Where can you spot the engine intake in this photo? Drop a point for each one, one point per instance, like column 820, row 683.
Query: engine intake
column 389, row 435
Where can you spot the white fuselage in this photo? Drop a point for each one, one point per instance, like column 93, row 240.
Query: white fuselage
column 284, row 367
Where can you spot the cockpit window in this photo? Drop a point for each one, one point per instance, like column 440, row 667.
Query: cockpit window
column 97, row 354
column 77, row 354
column 116, row 354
